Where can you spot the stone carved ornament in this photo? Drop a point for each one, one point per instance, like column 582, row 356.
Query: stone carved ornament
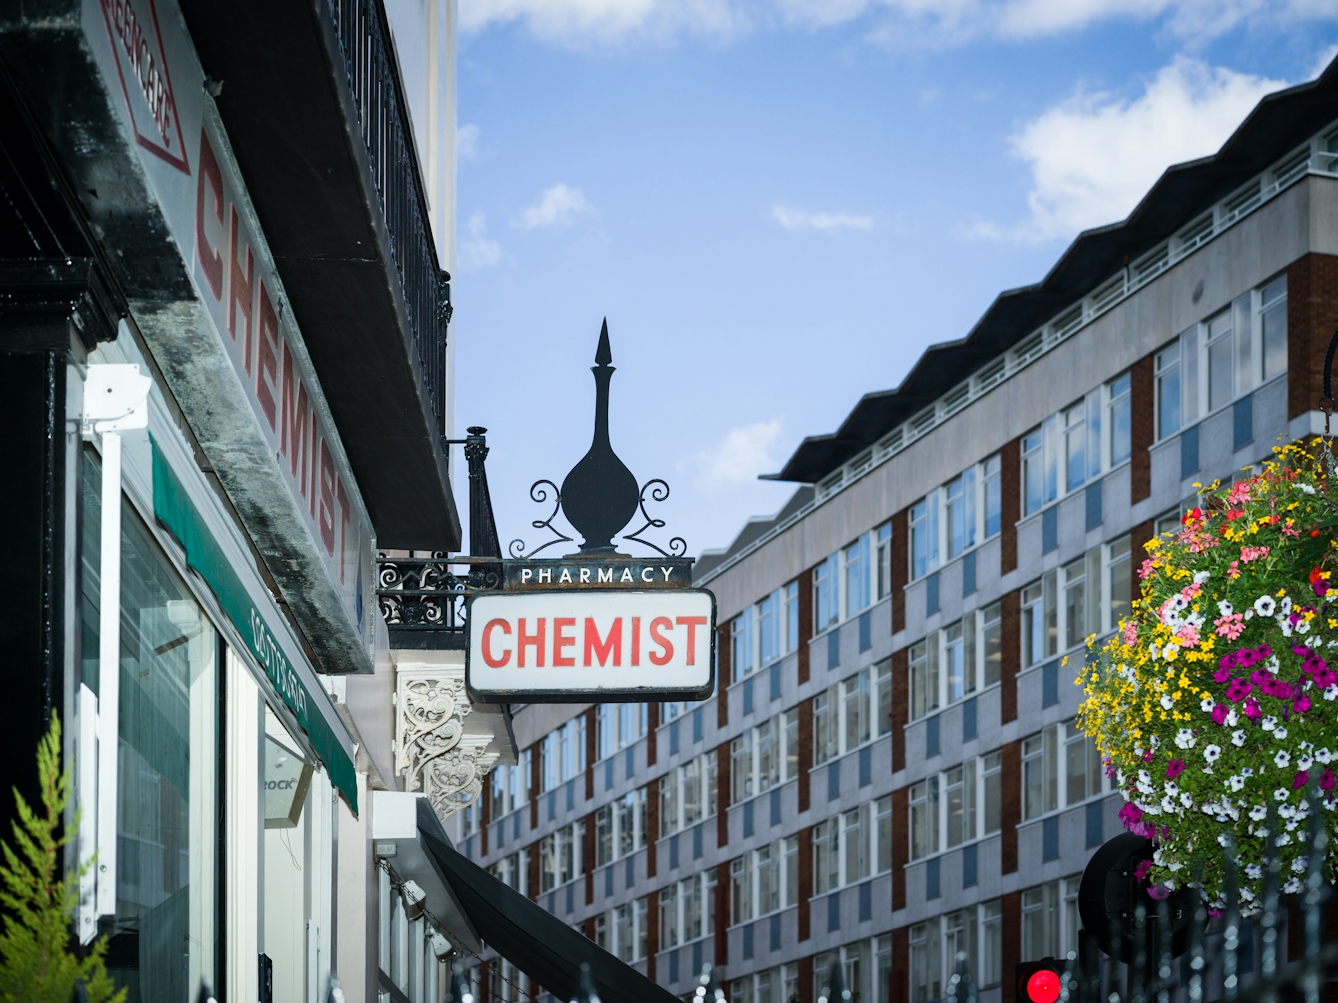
column 430, row 752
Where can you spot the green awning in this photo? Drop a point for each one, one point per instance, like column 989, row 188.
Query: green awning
column 174, row 509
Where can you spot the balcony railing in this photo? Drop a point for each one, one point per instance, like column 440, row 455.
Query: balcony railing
column 364, row 38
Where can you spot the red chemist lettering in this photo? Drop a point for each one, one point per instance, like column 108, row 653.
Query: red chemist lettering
column 211, row 184
column 495, row 661
column 535, row 641
column 659, row 624
column 609, row 646
column 692, row 623
column 562, row 641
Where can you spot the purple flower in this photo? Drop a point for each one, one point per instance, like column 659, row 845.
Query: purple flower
column 1222, row 674
column 1325, row 678
column 1239, row 690
column 1246, row 657
column 1174, row 768
column 1261, row 677
column 1252, row 710
column 1300, row 649
column 1143, row 869
column 1300, row 780
column 1326, row 780
column 1219, row 713
column 1159, row 892
column 1264, row 651
column 1301, row 705
column 1214, row 912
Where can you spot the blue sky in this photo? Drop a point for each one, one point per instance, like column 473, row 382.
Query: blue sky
column 779, row 205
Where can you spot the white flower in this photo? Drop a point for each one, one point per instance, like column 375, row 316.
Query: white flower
column 1284, row 839
column 1269, row 723
column 1285, row 607
column 1172, row 788
column 1332, row 692
column 1211, row 753
column 1177, row 602
column 1303, row 627
column 1249, row 613
column 1323, row 755
column 1168, row 804
column 1265, row 605
column 1285, row 625
column 1254, row 871
column 1171, row 651
column 1259, row 813
column 1279, row 733
column 1237, row 783
column 1238, row 737
column 1245, row 893
column 1281, row 794
column 1225, row 608
column 1304, row 763
column 1282, row 758
column 1232, row 719
column 1184, row 739
column 1292, row 886
column 1201, row 577
column 1207, row 704
column 1166, row 701
column 1307, row 488
column 1300, row 864
column 1186, row 800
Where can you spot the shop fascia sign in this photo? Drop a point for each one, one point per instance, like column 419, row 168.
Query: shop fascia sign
column 233, row 355
column 596, row 625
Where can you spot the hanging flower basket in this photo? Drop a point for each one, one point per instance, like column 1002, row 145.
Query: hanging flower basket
column 1215, row 704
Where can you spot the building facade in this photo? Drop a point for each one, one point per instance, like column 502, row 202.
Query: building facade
column 888, row 774
column 224, row 241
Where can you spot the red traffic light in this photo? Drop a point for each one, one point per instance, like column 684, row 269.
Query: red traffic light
column 1038, row 981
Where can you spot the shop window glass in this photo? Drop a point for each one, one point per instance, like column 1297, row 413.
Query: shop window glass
column 163, row 937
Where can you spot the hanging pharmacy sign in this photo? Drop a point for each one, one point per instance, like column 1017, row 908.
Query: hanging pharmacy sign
column 597, row 624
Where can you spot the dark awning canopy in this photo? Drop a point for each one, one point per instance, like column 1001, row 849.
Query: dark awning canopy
column 539, row 944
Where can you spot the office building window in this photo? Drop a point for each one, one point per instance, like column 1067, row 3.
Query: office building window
column 959, row 505
column 883, row 559
column 959, row 657
column 790, row 599
column 924, row 961
column 991, row 767
column 1119, row 419
column 1273, row 327
column 741, row 635
column 768, row 628
column 992, row 495
column 959, row 796
column 826, row 608
column 1119, row 584
column 856, row 560
column 924, row 535
column 924, row 677
column 991, row 642
column 1040, row 769
column 924, row 807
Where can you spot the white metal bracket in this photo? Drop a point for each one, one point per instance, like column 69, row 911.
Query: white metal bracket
column 115, row 401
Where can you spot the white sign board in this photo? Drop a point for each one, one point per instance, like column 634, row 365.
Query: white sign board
column 582, row 645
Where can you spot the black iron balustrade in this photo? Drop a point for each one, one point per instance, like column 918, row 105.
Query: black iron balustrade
column 364, row 38
column 429, row 593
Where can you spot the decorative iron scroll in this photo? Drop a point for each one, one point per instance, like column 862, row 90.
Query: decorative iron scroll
column 539, row 494
column 417, row 593
column 659, row 491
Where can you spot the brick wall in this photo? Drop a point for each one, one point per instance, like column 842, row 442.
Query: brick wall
column 723, row 789
column 588, row 864
column 900, row 706
column 1010, row 489
column 534, row 872
column 722, row 915
column 652, row 931
column 805, row 751
column 805, row 892
column 591, row 752
column 652, row 825
column 1010, row 813
column 901, row 966
column 805, row 980
column 723, row 653
column 805, row 622
column 1312, row 315
column 1142, row 429
column 652, row 726
column 485, row 814
column 1010, row 637
column 901, row 844
column 900, row 570
column 1010, row 948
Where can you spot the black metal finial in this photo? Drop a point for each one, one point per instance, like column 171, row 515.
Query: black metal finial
column 600, row 495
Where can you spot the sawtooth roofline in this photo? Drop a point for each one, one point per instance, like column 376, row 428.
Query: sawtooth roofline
column 1279, row 123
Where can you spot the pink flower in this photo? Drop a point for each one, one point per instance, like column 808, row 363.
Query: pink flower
column 1248, row 554
column 1143, row 869
column 1187, row 636
column 1239, row 493
column 1159, row 892
column 1130, row 633
column 1174, row 768
column 1301, row 705
column 1239, row 690
column 1233, row 570
column 1252, row 710
column 1230, row 626
column 1145, row 568
column 1300, row 780
column 1219, row 713
column 1326, row 780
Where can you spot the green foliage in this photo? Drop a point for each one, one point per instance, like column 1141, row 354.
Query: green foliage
column 36, row 963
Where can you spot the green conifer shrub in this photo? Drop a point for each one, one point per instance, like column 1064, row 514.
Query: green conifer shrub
column 36, row 963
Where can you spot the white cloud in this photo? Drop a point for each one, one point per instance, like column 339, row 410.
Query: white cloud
column 798, row 219
column 582, row 22
column 1093, row 156
column 477, row 251
column 558, row 205
column 467, row 142
column 741, row 454
column 897, row 23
